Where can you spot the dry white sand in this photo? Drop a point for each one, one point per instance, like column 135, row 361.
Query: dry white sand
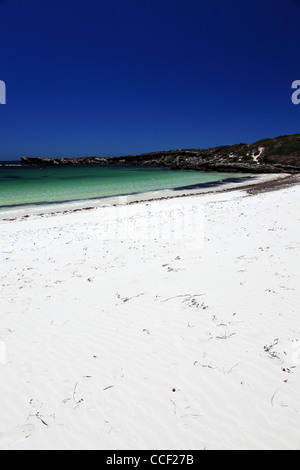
column 162, row 325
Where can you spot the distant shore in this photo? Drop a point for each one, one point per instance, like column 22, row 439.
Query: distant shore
column 278, row 155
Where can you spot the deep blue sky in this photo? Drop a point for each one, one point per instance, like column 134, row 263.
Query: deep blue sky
column 93, row 77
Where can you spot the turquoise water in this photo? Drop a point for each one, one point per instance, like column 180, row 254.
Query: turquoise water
column 33, row 185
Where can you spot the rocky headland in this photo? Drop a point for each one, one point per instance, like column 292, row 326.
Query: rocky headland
column 279, row 155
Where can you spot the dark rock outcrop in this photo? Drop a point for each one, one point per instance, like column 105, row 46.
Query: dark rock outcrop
column 280, row 155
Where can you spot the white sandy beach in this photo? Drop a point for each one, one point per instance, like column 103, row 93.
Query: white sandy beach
column 168, row 324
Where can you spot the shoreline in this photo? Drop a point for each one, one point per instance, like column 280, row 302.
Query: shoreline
column 48, row 209
column 164, row 325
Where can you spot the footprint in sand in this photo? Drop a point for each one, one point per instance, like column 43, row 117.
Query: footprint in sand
column 15, row 434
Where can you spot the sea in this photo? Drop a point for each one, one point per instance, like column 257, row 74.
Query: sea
column 29, row 186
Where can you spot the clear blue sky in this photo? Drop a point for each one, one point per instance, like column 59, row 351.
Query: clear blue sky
column 93, row 77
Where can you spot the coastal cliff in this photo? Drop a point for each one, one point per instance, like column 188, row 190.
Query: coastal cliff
column 279, row 155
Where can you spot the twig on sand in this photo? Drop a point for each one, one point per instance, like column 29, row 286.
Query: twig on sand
column 37, row 415
column 183, row 295
column 230, row 370
column 225, row 336
column 204, row 365
column 272, row 399
column 268, row 350
column 74, row 392
column 126, row 299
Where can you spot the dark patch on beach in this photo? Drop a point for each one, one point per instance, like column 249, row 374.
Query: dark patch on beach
column 267, row 186
column 213, row 184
